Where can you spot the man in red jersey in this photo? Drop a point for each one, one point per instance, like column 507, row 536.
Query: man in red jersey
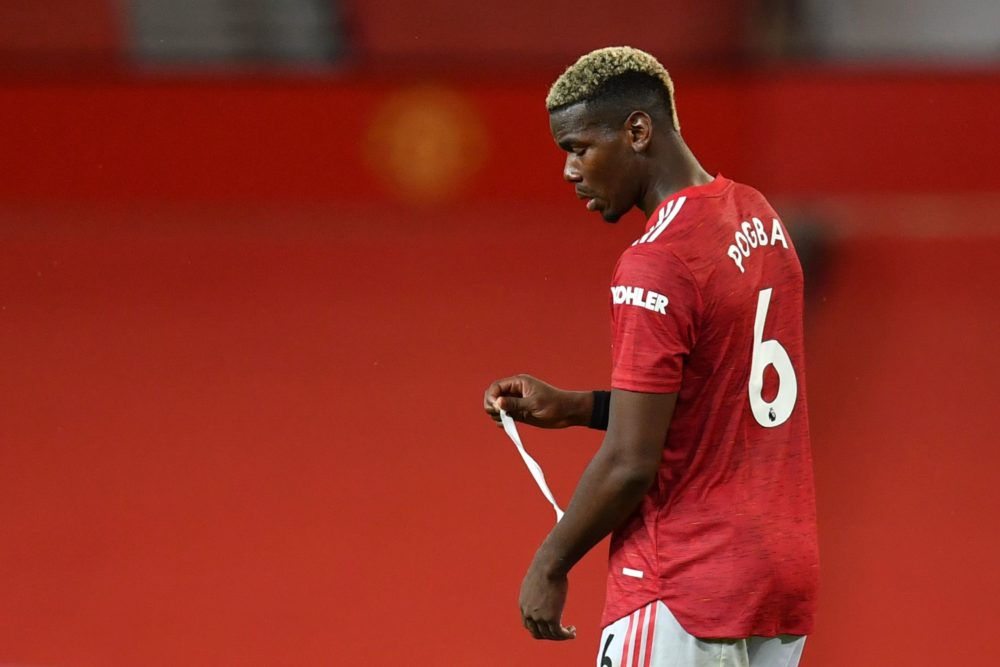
column 705, row 473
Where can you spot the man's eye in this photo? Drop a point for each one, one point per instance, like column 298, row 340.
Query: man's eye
column 579, row 151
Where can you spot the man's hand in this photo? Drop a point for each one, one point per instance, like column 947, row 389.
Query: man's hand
column 529, row 400
column 542, row 599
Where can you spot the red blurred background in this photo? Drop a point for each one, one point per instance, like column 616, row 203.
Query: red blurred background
column 247, row 317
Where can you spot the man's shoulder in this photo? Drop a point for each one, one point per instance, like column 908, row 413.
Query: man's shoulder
column 697, row 232
column 655, row 269
column 658, row 257
column 692, row 237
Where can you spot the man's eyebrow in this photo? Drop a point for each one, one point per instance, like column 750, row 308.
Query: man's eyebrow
column 566, row 143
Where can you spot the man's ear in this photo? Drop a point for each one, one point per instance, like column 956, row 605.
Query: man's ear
column 639, row 130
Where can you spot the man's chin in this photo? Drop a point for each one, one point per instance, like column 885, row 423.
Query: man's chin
column 611, row 217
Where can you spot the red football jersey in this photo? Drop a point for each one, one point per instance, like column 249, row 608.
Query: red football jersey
column 708, row 303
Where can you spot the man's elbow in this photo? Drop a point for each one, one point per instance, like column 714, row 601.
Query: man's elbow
column 635, row 476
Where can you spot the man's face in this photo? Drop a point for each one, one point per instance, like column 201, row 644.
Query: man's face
column 600, row 162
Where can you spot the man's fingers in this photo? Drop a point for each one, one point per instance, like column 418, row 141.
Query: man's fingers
column 497, row 395
column 514, row 395
column 490, row 403
column 561, row 632
column 544, row 630
column 552, row 630
column 517, row 408
column 512, row 386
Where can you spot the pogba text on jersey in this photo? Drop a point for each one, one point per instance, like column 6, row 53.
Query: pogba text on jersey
column 754, row 235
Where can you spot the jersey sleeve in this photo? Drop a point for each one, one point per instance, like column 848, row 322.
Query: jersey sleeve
column 655, row 303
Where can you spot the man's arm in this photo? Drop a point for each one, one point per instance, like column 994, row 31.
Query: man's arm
column 609, row 490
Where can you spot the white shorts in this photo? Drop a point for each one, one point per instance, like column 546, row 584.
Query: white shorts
column 652, row 637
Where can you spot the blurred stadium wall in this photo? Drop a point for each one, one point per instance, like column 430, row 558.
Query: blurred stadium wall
column 260, row 260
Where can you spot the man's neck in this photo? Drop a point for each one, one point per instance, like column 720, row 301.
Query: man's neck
column 678, row 169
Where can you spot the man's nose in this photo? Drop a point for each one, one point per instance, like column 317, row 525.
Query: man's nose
column 570, row 172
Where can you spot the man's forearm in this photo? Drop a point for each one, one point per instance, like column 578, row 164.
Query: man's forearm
column 578, row 407
column 609, row 491
column 587, row 408
column 615, row 481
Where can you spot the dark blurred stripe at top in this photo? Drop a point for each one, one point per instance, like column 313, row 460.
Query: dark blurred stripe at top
column 317, row 34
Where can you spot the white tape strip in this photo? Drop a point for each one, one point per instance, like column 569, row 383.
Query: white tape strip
column 536, row 470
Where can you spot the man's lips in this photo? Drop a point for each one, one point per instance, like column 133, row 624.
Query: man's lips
column 592, row 200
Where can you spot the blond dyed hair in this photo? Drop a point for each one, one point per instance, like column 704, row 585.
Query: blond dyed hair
column 582, row 81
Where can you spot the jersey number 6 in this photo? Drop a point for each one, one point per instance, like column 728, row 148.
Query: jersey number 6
column 770, row 353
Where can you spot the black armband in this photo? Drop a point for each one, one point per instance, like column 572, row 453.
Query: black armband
column 602, row 409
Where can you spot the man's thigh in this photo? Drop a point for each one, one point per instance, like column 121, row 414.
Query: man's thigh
column 652, row 637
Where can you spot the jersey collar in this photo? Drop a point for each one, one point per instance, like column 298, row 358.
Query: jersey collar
column 713, row 188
